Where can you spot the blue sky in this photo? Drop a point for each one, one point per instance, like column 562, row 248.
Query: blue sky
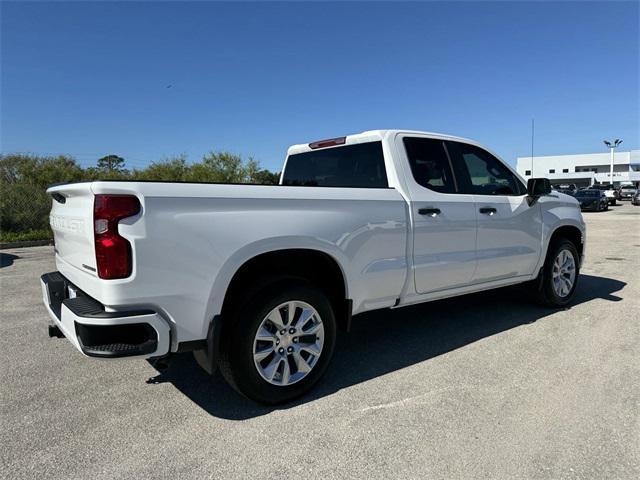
column 90, row 79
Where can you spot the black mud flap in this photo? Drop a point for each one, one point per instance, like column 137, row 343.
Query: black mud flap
column 207, row 357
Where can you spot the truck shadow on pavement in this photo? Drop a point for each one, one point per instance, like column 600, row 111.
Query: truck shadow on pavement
column 384, row 341
column 6, row 259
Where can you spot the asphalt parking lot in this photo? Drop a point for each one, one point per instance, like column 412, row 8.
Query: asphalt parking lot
column 484, row 386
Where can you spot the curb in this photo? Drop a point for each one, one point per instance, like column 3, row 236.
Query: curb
column 25, row 243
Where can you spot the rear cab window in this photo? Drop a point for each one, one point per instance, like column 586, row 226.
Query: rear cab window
column 358, row 165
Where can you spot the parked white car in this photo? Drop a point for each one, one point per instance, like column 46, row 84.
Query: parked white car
column 259, row 279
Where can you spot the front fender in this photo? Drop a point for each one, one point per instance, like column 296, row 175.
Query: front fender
column 559, row 210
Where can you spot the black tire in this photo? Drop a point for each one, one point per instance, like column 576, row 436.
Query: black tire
column 236, row 357
column 545, row 293
column 606, row 207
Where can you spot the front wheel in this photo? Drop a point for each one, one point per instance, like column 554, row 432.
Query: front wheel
column 559, row 274
column 279, row 343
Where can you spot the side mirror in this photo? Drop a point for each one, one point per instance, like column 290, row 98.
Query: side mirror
column 536, row 187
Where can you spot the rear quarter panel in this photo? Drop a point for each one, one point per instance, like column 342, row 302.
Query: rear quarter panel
column 192, row 238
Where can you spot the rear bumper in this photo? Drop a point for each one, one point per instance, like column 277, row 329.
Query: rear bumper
column 96, row 332
column 589, row 207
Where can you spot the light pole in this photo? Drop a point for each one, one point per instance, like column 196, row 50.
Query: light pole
column 612, row 146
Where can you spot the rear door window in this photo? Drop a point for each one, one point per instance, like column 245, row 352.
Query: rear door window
column 359, row 165
column 430, row 164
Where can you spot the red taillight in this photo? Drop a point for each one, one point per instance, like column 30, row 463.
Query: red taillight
column 113, row 252
column 331, row 142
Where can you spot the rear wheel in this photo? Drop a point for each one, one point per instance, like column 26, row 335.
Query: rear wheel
column 279, row 343
column 559, row 274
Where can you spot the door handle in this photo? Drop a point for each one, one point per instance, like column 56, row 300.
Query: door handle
column 488, row 210
column 432, row 212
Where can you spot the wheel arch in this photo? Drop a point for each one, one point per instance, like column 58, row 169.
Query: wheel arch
column 264, row 253
column 572, row 233
column 315, row 266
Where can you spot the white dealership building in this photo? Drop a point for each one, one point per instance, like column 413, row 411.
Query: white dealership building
column 583, row 169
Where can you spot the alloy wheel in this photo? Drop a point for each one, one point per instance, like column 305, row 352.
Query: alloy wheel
column 288, row 343
column 563, row 274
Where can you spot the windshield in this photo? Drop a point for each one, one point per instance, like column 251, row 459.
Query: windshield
column 629, row 188
column 588, row 193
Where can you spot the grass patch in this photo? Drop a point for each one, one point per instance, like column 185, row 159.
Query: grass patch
column 26, row 236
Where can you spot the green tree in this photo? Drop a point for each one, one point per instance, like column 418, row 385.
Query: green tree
column 168, row 170
column 38, row 171
column 223, row 167
column 266, row 177
column 111, row 163
column 14, row 167
column 24, row 204
column 94, row 173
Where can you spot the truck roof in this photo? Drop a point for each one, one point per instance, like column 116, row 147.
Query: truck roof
column 373, row 135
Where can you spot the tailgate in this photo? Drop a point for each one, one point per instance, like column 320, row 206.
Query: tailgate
column 71, row 220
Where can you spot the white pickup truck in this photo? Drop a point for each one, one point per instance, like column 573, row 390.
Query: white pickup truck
column 258, row 280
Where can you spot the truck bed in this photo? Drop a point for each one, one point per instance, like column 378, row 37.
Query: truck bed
column 189, row 239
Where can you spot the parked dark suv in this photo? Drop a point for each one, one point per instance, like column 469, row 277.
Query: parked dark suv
column 592, row 199
column 610, row 192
